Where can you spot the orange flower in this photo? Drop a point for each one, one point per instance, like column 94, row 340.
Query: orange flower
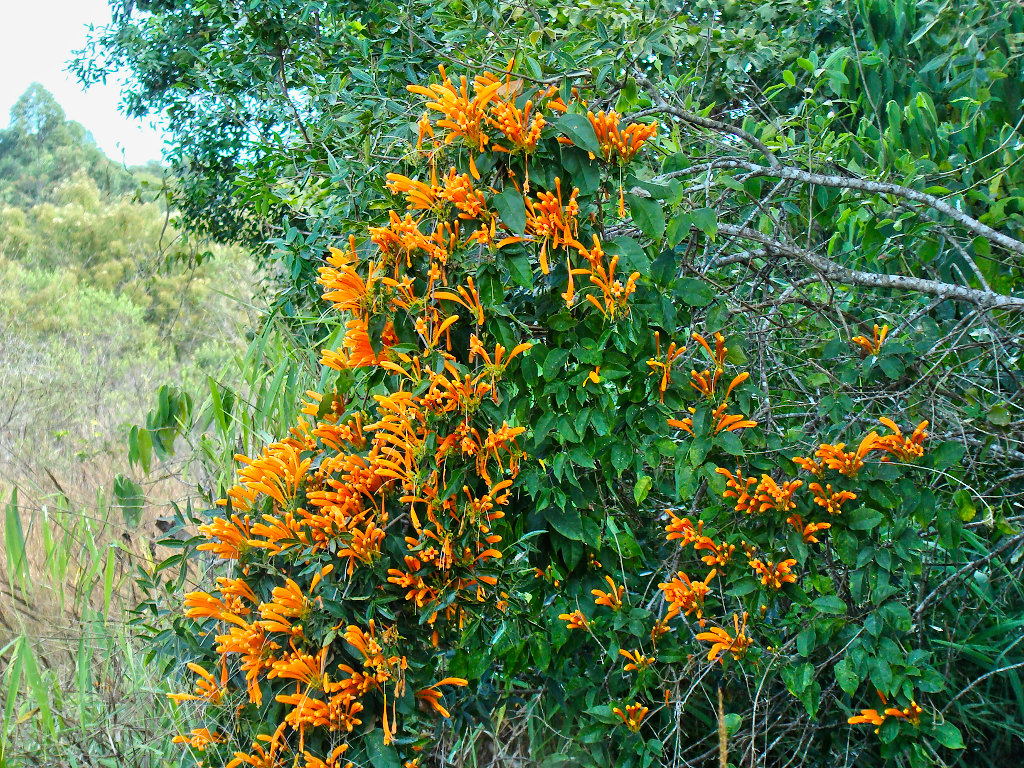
column 873, row 346
column 845, row 462
column 464, row 116
column 774, row 576
column 575, row 620
column 809, row 465
column 432, row 696
column 551, row 222
column 232, row 535
column 683, row 529
column 719, row 555
column 521, row 130
column 659, row 629
column 665, row 366
column 869, row 716
column 258, row 757
column 809, row 530
column 633, row 716
column 911, row 714
column 208, row 689
column 637, row 661
column 831, row 501
column 770, row 495
column 904, row 449
column 686, row 596
column 199, row 738
column 718, row 356
column 612, row 599
column 614, row 294
column 623, row 144
column 722, row 642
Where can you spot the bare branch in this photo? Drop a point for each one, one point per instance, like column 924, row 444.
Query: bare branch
column 840, row 274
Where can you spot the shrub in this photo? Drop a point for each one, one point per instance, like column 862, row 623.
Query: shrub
column 509, row 491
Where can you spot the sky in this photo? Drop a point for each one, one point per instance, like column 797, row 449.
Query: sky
column 36, row 41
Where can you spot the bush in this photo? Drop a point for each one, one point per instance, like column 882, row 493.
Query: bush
column 509, row 495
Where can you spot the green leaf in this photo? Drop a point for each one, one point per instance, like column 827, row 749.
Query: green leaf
column 622, row 456
column 789, row 78
column 706, row 221
column 511, row 209
column 554, row 363
column 641, row 489
column 694, row 292
column 678, row 229
column 380, row 755
column 566, row 522
column 580, row 131
column 830, row 604
column 648, row 215
column 847, row 678
column 946, row 454
column 130, row 498
column 864, row 519
column 948, row 735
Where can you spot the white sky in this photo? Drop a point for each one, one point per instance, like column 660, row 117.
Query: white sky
column 36, row 41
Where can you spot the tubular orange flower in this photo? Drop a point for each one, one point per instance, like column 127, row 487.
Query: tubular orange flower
column 738, row 487
column 831, row 501
column 432, row 696
column 845, row 462
column 722, row 642
column 637, row 661
column 774, row 576
column 575, row 620
column 719, row 555
column 208, row 689
column 464, row 116
column 904, row 449
column 686, row 596
column 867, row 716
column 683, row 529
column 199, row 739
column 665, row 366
column 911, row 714
column 620, row 144
column 809, row 530
column 633, row 716
column 612, row 599
column 874, row 345
column 551, row 222
column 770, row 495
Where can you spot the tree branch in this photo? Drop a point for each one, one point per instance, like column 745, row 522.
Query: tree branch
column 840, row 274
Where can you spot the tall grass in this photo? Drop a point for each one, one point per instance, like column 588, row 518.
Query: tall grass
column 77, row 689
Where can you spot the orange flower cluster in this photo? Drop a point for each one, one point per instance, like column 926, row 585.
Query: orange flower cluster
column 706, row 382
column 686, row 596
column 664, row 365
column 911, row 714
column 722, row 642
column 637, row 662
column 633, row 716
column 849, row 463
column 774, row 575
column 552, row 222
column 612, row 599
column 873, row 345
column 767, row 495
column 397, row 497
column 616, row 143
column 614, row 294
